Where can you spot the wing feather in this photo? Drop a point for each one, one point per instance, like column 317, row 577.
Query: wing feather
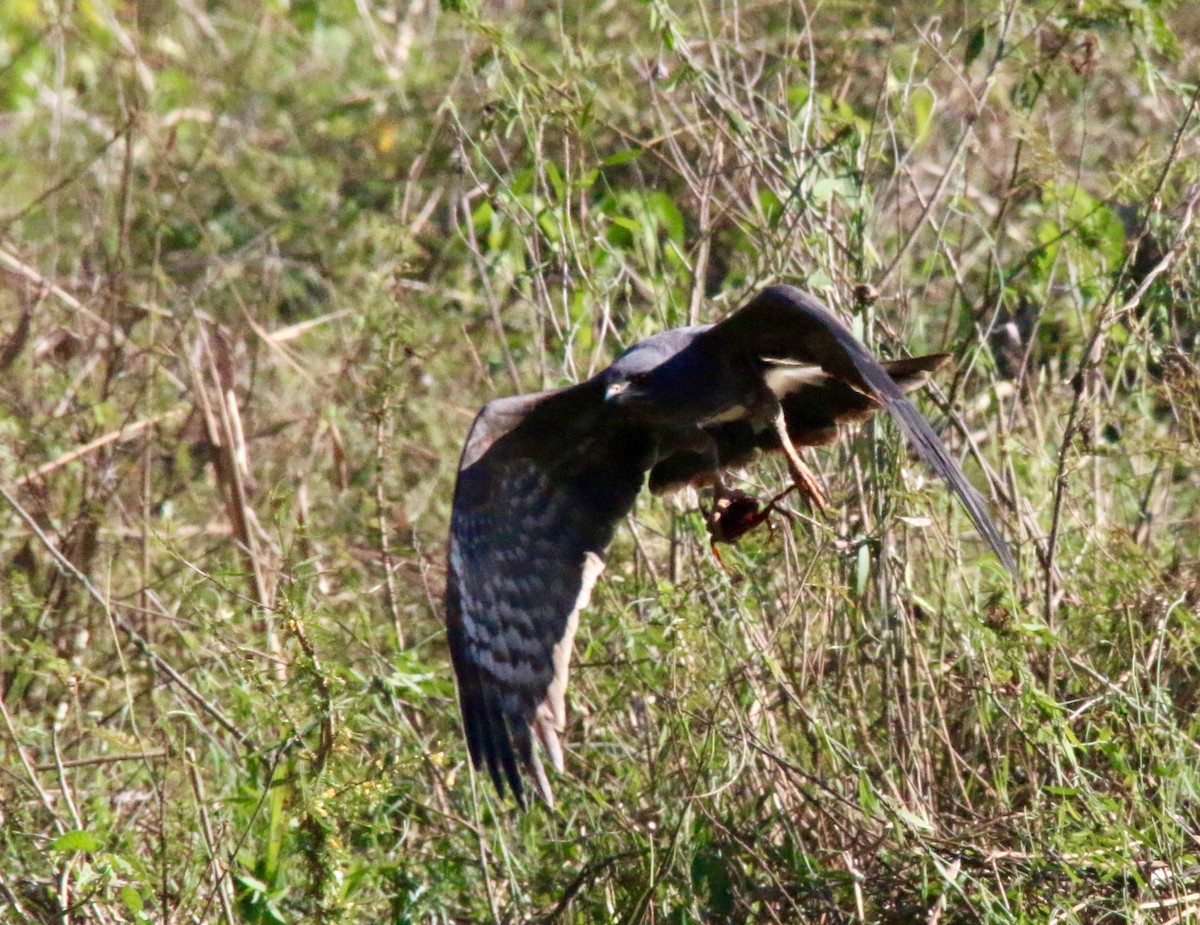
column 543, row 482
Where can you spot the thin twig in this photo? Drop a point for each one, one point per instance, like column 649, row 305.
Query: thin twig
column 218, row 865
column 122, row 434
column 381, row 518
column 66, row 567
column 105, row 759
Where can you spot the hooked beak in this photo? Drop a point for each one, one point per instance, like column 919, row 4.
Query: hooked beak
column 615, row 391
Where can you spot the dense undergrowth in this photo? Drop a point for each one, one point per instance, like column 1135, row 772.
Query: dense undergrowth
column 260, row 264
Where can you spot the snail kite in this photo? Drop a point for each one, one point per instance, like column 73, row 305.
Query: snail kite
column 545, row 478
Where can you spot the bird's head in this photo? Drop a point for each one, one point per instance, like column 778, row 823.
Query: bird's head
column 632, row 379
column 661, row 380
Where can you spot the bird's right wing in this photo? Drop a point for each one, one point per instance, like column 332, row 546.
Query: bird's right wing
column 814, row 405
column 785, row 323
column 543, row 481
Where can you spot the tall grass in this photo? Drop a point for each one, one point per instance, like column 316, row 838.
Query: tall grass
column 259, row 265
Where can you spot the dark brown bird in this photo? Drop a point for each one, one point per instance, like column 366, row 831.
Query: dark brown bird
column 545, row 478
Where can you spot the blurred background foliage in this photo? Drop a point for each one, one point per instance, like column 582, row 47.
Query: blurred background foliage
column 260, row 263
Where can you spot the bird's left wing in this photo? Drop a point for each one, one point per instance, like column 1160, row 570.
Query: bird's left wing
column 785, row 323
column 542, row 483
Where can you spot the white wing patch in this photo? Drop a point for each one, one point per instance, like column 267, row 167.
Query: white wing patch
column 551, row 717
column 782, row 376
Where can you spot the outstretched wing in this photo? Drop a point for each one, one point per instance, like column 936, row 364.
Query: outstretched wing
column 783, row 322
column 542, row 483
column 814, row 405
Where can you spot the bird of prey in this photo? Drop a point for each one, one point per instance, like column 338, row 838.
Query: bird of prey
column 544, row 479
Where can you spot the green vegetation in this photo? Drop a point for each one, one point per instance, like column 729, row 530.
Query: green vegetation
column 261, row 262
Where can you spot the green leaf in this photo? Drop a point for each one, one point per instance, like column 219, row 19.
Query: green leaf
column 622, row 157
column 252, row 884
column 738, row 122
column 668, row 214
column 76, row 840
column 975, row 45
column 922, row 104
column 555, row 179
column 482, row 216
column 1027, row 90
column 824, row 190
column 710, row 874
column 798, row 95
column 304, row 14
column 919, row 823
column 770, row 204
column 819, row 280
column 132, row 899
column 862, row 570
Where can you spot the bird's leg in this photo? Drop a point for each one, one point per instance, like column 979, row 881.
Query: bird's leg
column 803, row 478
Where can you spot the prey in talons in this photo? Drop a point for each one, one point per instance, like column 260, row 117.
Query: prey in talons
column 734, row 513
